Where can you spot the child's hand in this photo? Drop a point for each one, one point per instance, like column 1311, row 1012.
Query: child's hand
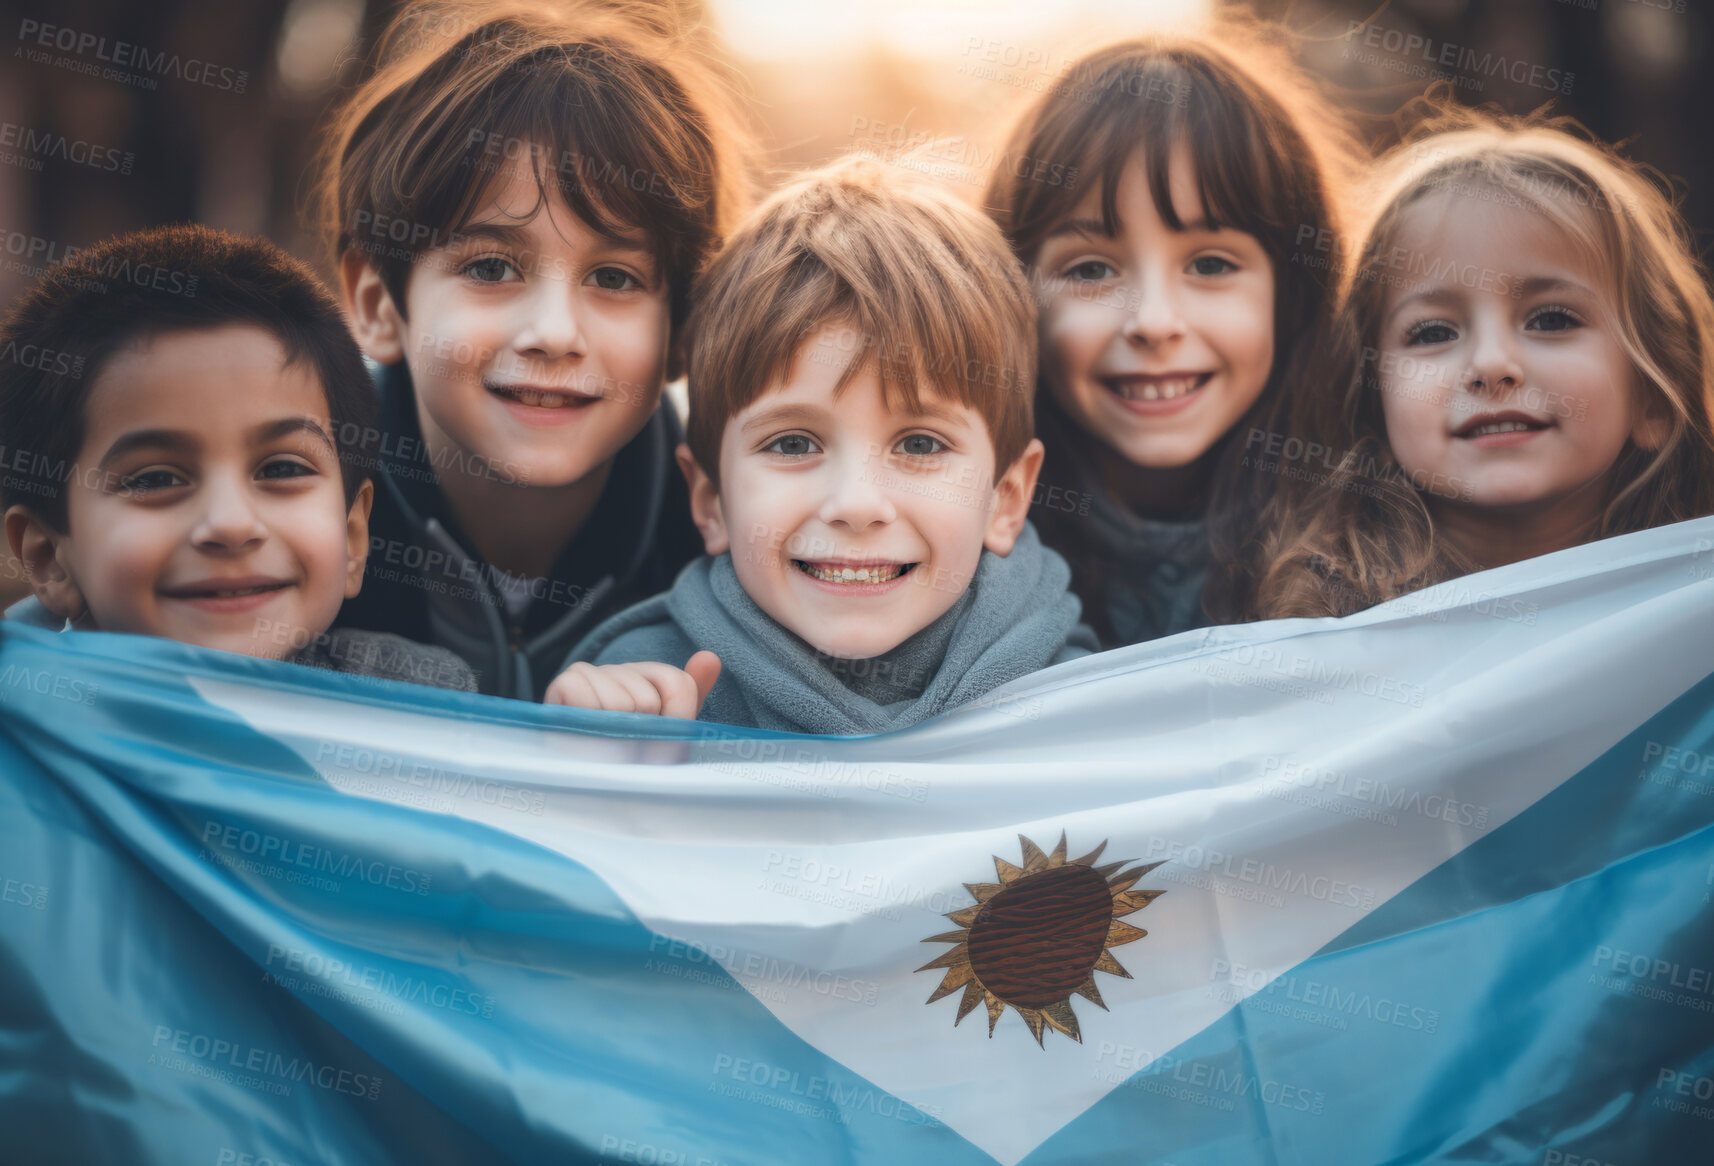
column 646, row 687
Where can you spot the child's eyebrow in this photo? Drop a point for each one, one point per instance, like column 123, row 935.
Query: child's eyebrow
column 172, row 440
column 1429, row 295
column 783, row 414
column 286, row 426
column 1094, row 228
column 1535, row 285
column 928, row 410
column 511, row 236
column 518, row 236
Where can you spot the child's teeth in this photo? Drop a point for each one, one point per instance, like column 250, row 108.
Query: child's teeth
column 1159, row 391
column 538, row 399
column 1501, row 427
column 851, row 574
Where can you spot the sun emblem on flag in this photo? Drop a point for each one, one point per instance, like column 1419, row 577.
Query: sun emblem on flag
column 1038, row 936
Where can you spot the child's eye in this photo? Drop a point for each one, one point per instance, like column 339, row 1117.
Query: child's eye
column 1431, row 332
column 792, row 445
column 920, row 445
column 284, row 468
column 1554, row 319
column 1091, row 270
column 489, row 269
column 144, row 481
column 1212, row 265
column 614, row 279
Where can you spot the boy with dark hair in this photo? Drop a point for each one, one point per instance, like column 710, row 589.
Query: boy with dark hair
column 862, row 358
column 519, row 200
column 179, row 405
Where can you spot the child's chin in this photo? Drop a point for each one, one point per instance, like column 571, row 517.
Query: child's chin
column 259, row 647
column 854, row 646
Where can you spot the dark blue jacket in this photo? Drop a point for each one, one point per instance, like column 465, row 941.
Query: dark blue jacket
column 426, row 581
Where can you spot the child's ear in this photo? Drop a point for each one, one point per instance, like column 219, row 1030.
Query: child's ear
column 375, row 319
column 357, row 538
column 1012, row 494
column 704, row 503
column 40, row 548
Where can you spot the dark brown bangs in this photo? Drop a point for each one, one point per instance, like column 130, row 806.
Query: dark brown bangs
column 1254, row 172
column 593, row 116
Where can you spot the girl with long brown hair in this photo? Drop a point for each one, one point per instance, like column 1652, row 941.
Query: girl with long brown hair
column 1175, row 198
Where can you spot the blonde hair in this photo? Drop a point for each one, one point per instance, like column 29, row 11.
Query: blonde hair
column 1363, row 534
column 926, row 285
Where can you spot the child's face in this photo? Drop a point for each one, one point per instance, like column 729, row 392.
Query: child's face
column 1153, row 340
column 537, row 347
column 207, row 504
column 813, row 486
column 1503, row 382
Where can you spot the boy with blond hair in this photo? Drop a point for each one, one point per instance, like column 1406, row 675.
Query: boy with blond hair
column 861, row 465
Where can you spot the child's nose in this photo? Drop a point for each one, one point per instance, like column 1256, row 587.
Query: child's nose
column 856, row 497
column 552, row 325
column 1494, row 367
column 229, row 519
column 1152, row 316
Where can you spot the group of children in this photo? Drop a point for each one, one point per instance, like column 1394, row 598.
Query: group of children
column 1233, row 370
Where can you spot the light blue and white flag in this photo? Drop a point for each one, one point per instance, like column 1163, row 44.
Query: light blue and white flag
column 1431, row 883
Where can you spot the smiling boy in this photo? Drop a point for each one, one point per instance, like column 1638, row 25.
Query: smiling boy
column 177, row 468
column 860, row 462
column 520, row 206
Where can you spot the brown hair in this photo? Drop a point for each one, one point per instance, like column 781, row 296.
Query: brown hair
column 58, row 336
column 927, row 285
column 1363, row 534
column 620, row 112
column 1271, row 158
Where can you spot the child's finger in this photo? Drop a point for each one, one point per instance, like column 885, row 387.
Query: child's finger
column 703, row 670
column 572, row 688
column 640, row 691
column 609, row 693
column 677, row 690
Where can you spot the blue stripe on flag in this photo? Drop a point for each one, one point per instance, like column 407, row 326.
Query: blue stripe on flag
column 1548, row 989
column 462, row 996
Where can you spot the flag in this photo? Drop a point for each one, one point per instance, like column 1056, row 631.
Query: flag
column 1428, row 883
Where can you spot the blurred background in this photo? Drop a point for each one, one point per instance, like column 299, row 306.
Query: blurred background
column 116, row 114
column 226, row 136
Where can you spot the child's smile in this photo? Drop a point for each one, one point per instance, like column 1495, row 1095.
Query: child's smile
column 1503, row 383
column 862, row 576
column 852, row 521
column 209, row 506
column 535, row 343
column 1159, row 395
column 1155, row 341
column 540, row 403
